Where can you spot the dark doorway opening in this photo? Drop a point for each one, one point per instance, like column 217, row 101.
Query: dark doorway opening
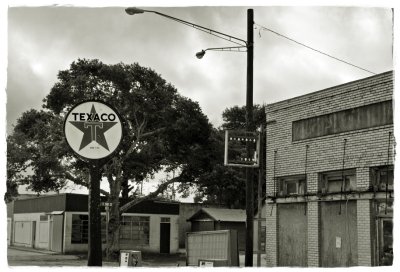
column 165, row 235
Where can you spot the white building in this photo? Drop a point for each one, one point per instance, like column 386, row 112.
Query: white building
column 60, row 223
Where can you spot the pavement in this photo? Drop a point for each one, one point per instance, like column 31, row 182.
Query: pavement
column 21, row 256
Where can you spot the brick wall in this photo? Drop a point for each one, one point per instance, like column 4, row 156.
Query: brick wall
column 364, row 148
column 271, row 237
column 313, row 234
column 364, row 232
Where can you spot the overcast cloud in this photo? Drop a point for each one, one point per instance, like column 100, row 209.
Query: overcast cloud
column 44, row 40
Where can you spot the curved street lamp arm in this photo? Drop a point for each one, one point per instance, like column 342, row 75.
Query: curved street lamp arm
column 201, row 54
column 230, row 48
column 132, row 11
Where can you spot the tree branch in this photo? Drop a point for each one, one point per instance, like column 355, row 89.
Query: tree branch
column 81, row 182
column 151, row 133
column 159, row 190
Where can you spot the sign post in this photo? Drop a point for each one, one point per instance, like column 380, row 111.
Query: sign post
column 93, row 130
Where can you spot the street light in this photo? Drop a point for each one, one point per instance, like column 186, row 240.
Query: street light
column 249, row 45
column 201, row 54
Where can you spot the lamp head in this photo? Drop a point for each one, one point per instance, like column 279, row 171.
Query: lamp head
column 200, row 54
column 133, row 11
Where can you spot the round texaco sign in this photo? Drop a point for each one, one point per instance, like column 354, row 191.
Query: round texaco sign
column 93, row 129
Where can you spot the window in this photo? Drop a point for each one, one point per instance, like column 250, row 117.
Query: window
column 80, row 229
column 384, row 232
column 385, row 241
column 292, row 185
column 43, row 218
column 165, row 220
column 135, row 229
column 368, row 116
column 380, row 176
column 338, row 181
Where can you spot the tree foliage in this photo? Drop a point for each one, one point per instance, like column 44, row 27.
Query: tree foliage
column 162, row 129
column 226, row 185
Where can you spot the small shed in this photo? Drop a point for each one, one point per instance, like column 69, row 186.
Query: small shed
column 207, row 219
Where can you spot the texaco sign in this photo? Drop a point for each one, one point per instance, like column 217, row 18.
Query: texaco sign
column 93, row 129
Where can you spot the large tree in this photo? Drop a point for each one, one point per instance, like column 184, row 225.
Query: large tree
column 162, row 130
column 224, row 185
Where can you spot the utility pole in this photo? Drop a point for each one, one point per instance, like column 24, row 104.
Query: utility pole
column 259, row 193
column 249, row 45
column 249, row 127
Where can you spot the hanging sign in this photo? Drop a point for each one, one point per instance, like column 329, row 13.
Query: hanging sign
column 236, row 145
column 93, row 129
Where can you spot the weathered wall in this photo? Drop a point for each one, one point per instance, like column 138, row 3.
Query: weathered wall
column 365, row 148
column 154, row 235
column 23, row 224
column 339, row 234
column 239, row 227
column 186, row 210
column 292, row 234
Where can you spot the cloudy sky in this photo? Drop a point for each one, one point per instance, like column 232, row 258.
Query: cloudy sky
column 44, row 40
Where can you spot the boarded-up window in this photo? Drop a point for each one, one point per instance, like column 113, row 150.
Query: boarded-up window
column 373, row 115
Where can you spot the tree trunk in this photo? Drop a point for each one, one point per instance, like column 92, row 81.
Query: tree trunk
column 113, row 245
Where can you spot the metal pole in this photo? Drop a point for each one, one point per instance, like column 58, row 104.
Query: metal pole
column 249, row 127
column 259, row 194
column 94, row 243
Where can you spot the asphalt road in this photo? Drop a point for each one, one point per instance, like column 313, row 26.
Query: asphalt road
column 30, row 257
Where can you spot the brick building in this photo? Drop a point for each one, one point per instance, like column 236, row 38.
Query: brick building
column 330, row 176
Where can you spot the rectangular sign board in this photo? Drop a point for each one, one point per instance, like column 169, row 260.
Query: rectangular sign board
column 236, row 144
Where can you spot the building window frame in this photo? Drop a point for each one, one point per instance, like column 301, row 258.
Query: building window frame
column 379, row 175
column 80, row 229
column 287, row 183
column 332, row 181
column 135, row 229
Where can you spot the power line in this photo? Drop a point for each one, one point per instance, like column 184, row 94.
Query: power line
column 309, row 47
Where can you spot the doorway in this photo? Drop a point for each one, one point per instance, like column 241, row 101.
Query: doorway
column 165, row 235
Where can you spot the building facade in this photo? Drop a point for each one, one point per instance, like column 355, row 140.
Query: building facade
column 186, row 210
column 330, row 157
column 60, row 223
column 209, row 219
